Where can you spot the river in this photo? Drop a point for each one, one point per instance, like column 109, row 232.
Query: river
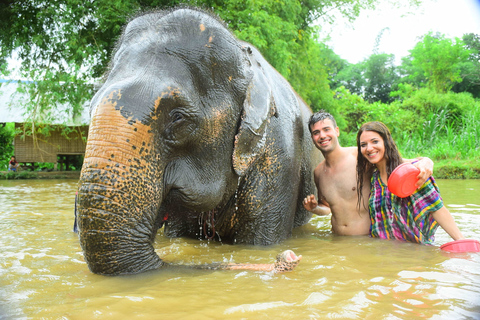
column 43, row 274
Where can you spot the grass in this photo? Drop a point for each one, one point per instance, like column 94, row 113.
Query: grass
column 444, row 138
column 11, row 175
column 453, row 145
column 457, row 169
column 18, row 175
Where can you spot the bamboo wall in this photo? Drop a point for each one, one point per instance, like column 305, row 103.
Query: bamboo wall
column 47, row 148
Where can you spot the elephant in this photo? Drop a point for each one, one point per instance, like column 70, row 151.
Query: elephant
column 194, row 131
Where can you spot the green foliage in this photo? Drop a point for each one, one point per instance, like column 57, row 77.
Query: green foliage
column 281, row 31
column 351, row 77
column 438, row 59
column 271, row 26
column 62, row 46
column 423, row 102
column 18, row 175
column 65, row 45
column 309, row 75
column 457, row 169
column 436, row 63
column 441, row 138
column 470, row 68
column 423, row 122
column 352, row 107
column 373, row 79
column 381, row 77
column 6, row 146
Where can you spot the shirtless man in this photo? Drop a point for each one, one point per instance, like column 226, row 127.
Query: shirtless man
column 335, row 178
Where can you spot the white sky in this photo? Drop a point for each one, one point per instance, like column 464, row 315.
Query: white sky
column 355, row 43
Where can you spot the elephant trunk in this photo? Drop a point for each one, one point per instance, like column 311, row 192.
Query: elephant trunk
column 119, row 195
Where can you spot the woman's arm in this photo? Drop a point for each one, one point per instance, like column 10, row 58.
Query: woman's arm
column 446, row 221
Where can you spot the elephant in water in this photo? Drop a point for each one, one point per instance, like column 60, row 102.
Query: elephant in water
column 192, row 130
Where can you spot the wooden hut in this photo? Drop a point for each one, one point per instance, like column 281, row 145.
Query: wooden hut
column 58, row 146
column 62, row 145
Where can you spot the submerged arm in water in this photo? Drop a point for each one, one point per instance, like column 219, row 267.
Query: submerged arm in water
column 285, row 261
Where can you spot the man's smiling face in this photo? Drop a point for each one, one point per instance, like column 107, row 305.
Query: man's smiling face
column 325, row 135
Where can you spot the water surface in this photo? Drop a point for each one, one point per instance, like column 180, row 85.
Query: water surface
column 43, row 274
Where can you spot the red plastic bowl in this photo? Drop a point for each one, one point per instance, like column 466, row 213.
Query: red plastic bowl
column 465, row 245
column 402, row 180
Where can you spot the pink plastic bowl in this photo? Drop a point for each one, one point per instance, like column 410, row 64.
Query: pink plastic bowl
column 465, row 245
column 402, row 180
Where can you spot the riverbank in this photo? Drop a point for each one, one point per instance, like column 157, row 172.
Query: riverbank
column 40, row 175
column 457, row 169
column 443, row 169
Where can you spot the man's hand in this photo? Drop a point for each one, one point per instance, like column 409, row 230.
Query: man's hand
column 312, row 205
column 425, row 165
column 310, row 202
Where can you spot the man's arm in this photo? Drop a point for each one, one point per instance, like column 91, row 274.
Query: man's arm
column 425, row 165
column 312, row 205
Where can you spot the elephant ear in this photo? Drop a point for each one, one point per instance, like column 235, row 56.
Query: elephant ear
column 258, row 107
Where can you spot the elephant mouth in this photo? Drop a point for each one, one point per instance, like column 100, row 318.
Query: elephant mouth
column 192, row 194
column 179, row 195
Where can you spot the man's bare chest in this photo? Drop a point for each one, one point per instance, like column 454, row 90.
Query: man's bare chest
column 339, row 184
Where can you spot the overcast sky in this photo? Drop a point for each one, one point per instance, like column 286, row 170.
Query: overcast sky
column 356, row 42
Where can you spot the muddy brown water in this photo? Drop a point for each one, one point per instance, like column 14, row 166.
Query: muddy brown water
column 43, row 274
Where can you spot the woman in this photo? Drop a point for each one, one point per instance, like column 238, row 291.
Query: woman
column 414, row 218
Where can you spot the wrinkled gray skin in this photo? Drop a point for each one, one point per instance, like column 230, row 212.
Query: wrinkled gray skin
column 189, row 121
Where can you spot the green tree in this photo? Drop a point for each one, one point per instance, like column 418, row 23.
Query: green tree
column 410, row 74
column 6, row 146
column 373, row 78
column 439, row 59
column 309, row 75
column 381, row 77
column 65, row 45
column 470, row 68
column 352, row 77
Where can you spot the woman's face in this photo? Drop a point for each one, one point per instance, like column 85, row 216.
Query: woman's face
column 372, row 147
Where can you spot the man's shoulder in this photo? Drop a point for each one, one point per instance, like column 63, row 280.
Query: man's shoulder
column 351, row 150
column 320, row 166
column 349, row 153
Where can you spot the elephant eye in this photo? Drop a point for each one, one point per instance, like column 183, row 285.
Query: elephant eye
column 172, row 131
column 180, row 124
column 177, row 116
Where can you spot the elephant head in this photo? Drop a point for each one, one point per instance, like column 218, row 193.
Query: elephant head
column 177, row 125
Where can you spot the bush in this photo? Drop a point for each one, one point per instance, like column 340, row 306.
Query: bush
column 422, row 122
column 443, row 138
column 10, row 175
column 6, row 146
column 421, row 103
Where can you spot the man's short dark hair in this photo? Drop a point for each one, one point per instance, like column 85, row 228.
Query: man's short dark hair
column 320, row 116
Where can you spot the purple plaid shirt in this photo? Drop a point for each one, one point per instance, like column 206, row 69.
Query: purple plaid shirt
column 409, row 218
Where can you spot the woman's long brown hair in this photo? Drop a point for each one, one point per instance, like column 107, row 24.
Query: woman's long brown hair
column 392, row 155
